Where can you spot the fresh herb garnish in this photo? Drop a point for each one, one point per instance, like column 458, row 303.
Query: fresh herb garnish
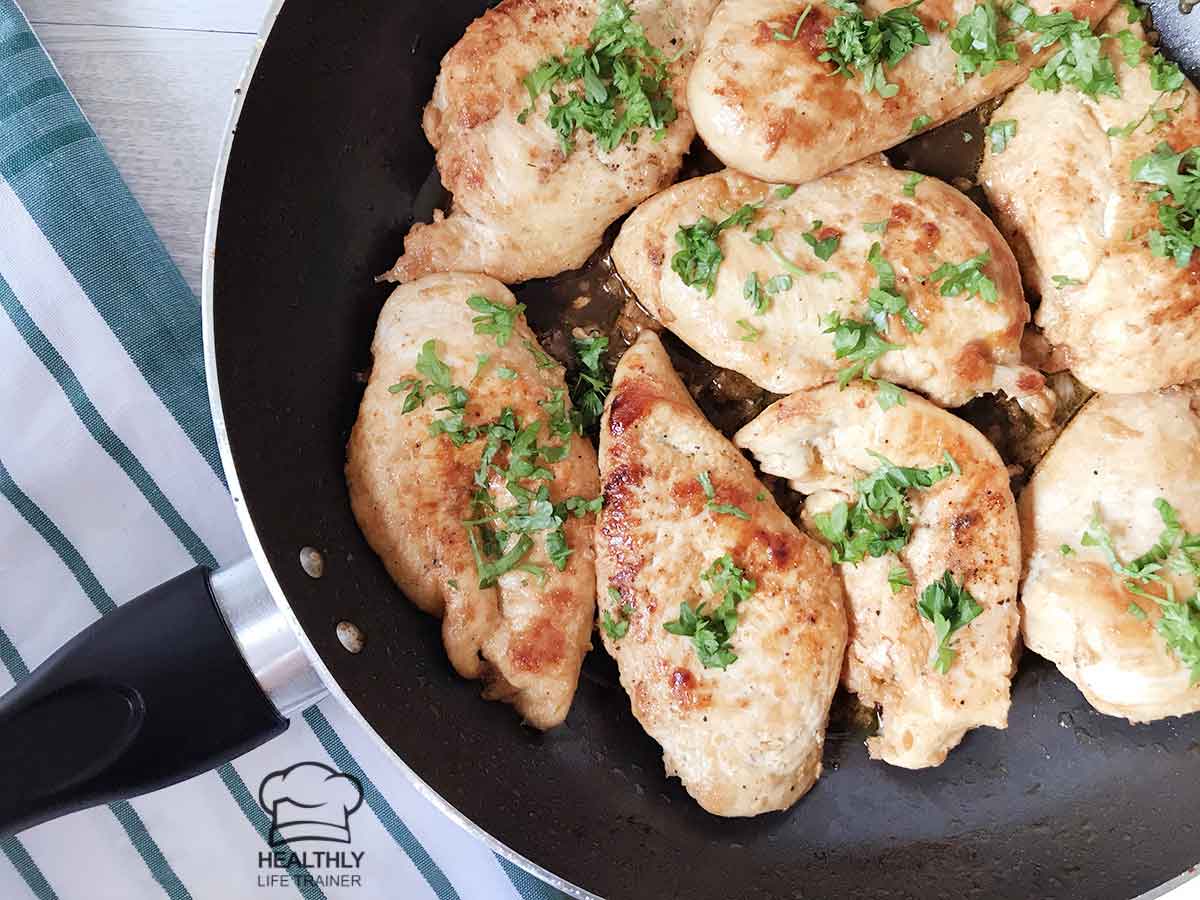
column 1165, row 76
column 504, row 373
column 785, row 262
column 727, row 509
column 591, row 383
column 699, row 256
column 784, row 191
column 749, row 332
column 616, row 628
column 884, row 299
column 1177, row 551
column 898, row 579
column 753, row 291
column 880, row 521
column 712, row 630
column 781, row 36
column 966, row 277
column 920, row 122
column 860, row 343
column 1000, row 132
column 978, row 42
column 1062, row 281
column 777, row 284
column 910, row 184
column 869, row 46
column 1131, row 46
column 1133, row 12
column 1079, row 62
column 1066, row 550
column 1177, row 176
column 438, row 384
column 949, row 606
column 540, row 359
column 620, row 83
column 763, row 236
column 876, row 227
column 822, row 247
column 495, row 318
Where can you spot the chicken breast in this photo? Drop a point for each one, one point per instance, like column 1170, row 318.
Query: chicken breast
column 521, row 624
column 1064, row 196
column 523, row 208
column 965, row 524
column 968, row 346
column 1119, row 455
column 766, row 104
column 742, row 723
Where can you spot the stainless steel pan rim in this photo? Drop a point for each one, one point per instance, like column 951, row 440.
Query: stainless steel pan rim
column 243, row 514
column 260, row 557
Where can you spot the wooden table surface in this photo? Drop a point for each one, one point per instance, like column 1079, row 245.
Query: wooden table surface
column 156, row 79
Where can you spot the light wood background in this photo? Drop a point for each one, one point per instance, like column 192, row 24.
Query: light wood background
column 156, row 79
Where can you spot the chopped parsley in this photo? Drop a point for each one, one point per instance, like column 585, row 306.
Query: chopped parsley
column 1079, row 62
column 869, row 46
column 880, row 521
column 1062, row 281
column 616, row 628
column 611, row 88
column 699, row 256
column 781, row 36
column 763, row 236
column 920, row 122
column 778, row 284
column 884, row 300
column 1066, row 550
column 504, row 373
column 898, row 579
column 785, row 262
column 784, row 191
column 822, row 247
column 727, row 509
column 438, row 384
column 966, row 277
column 712, row 630
column 858, row 342
column 540, row 359
column 749, row 332
column 591, row 383
column 978, row 42
column 1000, row 132
column 1178, row 179
column 876, row 227
column 495, row 318
column 1131, row 46
column 1133, row 12
column 1177, row 551
column 1165, row 76
column 950, row 607
column 753, row 291
column 910, row 184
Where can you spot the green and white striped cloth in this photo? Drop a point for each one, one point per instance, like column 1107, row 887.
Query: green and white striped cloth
column 109, row 484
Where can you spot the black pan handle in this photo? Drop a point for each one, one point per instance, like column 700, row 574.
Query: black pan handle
column 151, row 694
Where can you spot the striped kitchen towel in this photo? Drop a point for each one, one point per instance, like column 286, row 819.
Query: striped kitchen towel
column 109, row 484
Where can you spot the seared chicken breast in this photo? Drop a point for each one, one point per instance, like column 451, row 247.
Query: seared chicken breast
column 525, row 204
column 1122, row 319
column 766, row 104
column 961, row 346
column 521, row 624
column 688, row 537
column 825, row 442
column 1107, row 476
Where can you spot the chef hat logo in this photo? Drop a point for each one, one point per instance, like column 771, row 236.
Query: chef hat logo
column 310, row 802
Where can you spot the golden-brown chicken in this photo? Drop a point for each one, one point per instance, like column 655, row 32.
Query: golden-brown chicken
column 965, row 524
column 1103, row 476
column 523, row 207
column 1122, row 319
column 968, row 346
column 740, row 708
column 766, row 105
column 518, row 616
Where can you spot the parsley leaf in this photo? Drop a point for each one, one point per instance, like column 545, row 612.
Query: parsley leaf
column 699, row 256
column 540, row 359
column 753, row 291
column 884, row 300
column 781, row 36
column 1000, row 132
column 898, row 579
column 978, row 42
column 616, row 628
column 858, row 342
column 823, row 247
column 910, row 184
column 778, row 284
column 876, row 227
column 920, row 122
column 949, row 606
column 1178, row 176
column 749, row 332
column 495, row 318
column 439, row 383
column 966, row 277
column 1176, row 550
column 1062, row 281
column 880, row 521
column 1165, row 75
column 710, row 492
column 856, row 43
column 712, row 630
column 784, row 191
column 1133, row 12
column 1079, row 62
column 620, row 81
column 592, row 382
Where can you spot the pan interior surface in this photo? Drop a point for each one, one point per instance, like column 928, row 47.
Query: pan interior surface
column 328, row 164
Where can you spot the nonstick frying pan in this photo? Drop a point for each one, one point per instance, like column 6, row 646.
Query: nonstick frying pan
column 323, row 168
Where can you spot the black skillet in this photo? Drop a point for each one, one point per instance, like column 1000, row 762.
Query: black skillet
column 325, row 172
